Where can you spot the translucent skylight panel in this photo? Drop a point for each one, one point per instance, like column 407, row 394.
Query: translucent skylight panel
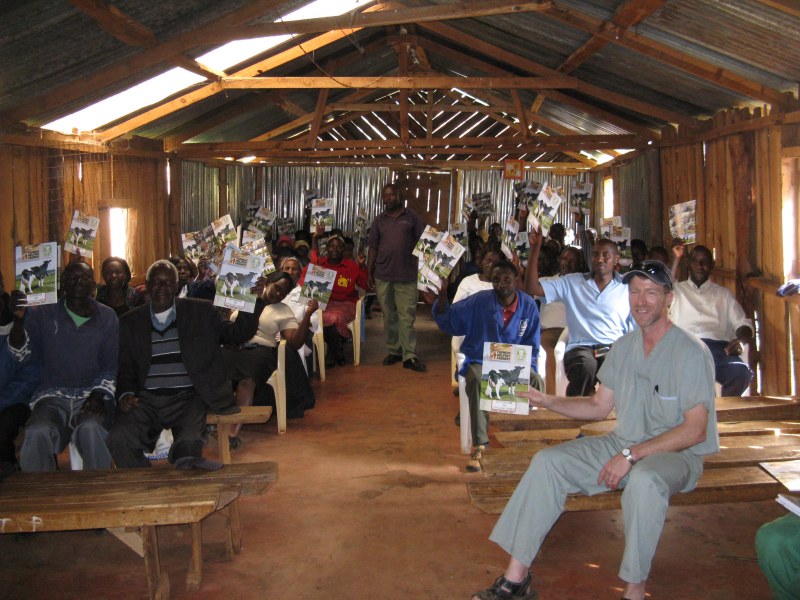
column 175, row 80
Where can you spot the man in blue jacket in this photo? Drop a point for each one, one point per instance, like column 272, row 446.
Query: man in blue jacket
column 17, row 382
column 502, row 314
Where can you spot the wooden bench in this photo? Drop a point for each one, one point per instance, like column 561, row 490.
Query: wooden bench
column 753, row 408
column 142, row 498
column 225, row 423
column 716, row 486
column 725, row 429
column 735, row 451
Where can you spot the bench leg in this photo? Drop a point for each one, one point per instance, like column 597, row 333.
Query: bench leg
column 195, row 575
column 157, row 580
column 223, row 432
column 236, row 526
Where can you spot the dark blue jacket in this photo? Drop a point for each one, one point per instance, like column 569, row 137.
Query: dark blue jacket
column 479, row 318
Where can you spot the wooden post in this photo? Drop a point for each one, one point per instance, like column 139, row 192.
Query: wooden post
column 174, row 211
column 223, row 191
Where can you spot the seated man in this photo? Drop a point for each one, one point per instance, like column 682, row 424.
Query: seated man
column 554, row 314
column 660, row 380
column 17, row 382
column 502, row 314
column 597, row 311
column 712, row 313
column 171, row 372
column 76, row 343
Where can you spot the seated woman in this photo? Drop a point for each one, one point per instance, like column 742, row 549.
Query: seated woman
column 341, row 308
column 253, row 363
column 189, row 285
column 116, row 293
column 294, row 300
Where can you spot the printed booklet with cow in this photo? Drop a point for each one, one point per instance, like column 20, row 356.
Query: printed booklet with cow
column 37, row 273
column 237, row 275
column 322, row 213
column 506, row 370
column 318, row 284
column 82, row 233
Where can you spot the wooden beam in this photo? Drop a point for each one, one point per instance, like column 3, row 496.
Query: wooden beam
column 521, row 114
column 319, row 113
column 410, row 82
column 510, row 58
column 557, row 168
column 665, row 54
column 509, row 143
column 790, row 7
column 117, row 23
column 213, row 88
column 91, row 83
column 477, row 63
column 382, row 18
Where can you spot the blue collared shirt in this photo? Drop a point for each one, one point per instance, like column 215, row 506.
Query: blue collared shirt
column 593, row 317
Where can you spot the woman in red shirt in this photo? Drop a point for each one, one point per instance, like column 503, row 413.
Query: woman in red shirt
column 341, row 308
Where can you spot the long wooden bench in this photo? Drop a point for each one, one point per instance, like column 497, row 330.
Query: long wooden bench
column 753, row 408
column 716, row 486
column 142, row 498
column 735, row 451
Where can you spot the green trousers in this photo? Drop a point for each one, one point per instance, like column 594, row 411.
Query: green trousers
column 778, row 551
column 398, row 301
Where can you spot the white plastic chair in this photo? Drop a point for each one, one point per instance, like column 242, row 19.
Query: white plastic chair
column 278, row 382
column 356, row 328
column 463, row 403
column 558, row 352
column 318, row 348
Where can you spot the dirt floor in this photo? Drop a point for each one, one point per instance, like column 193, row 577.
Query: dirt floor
column 371, row 503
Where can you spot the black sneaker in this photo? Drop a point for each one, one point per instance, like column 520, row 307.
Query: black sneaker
column 415, row 364
column 503, row 589
column 392, row 359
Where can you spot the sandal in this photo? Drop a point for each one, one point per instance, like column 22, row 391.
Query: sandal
column 503, row 589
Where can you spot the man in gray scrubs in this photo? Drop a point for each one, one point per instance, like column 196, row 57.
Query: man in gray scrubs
column 660, row 379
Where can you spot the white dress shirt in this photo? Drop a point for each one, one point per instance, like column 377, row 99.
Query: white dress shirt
column 709, row 311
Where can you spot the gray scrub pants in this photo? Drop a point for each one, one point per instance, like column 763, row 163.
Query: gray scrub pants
column 575, row 466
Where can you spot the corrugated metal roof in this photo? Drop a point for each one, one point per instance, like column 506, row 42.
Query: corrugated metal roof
column 45, row 44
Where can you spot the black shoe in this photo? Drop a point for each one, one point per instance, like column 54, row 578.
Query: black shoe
column 415, row 364
column 391, row 359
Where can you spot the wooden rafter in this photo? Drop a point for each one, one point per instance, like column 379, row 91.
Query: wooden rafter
column 628, row 15
column 509, row 142
column 209, row 90
column 665, row 54
column 510, row 58
column 409, row 82
column 790, row 7
column 386, row 16
column 474, row 62
column 150, row 57
column 129, row 31
column 117, row 23
column 319, row 113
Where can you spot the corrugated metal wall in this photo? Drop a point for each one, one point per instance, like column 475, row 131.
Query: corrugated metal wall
column 282, row 190
column 353, row 188
column 502, row 191
column 633, row 201
column 200, row 195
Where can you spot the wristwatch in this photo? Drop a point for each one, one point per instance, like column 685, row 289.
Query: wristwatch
column 626, row 452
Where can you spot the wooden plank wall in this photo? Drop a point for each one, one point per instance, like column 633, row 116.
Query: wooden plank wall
column 42, row 187
column 740, row 216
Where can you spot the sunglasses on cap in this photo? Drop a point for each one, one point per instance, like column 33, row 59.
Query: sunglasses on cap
column 654, row 270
